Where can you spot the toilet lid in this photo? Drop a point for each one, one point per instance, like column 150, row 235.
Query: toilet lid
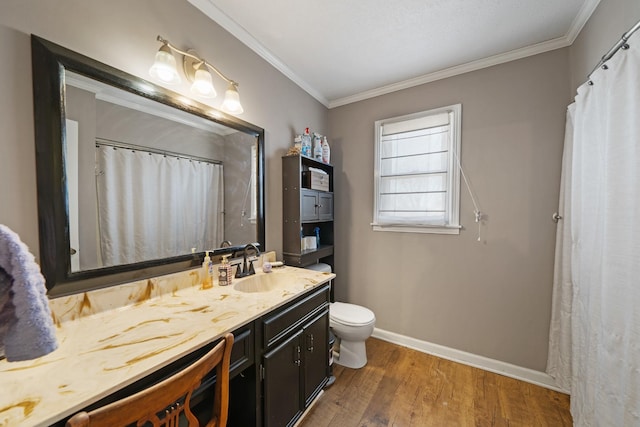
column 350, row 314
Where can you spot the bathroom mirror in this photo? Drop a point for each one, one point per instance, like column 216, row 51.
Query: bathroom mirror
column 134, row 180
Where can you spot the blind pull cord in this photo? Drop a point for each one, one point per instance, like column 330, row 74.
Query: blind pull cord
column 479, row 215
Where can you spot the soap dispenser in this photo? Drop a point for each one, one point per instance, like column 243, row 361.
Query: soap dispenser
column 207, row 271
column 224, row 272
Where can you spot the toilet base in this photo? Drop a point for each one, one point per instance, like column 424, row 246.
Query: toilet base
column 352, row 354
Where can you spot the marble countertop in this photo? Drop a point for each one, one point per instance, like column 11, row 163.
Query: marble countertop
column 112, row 337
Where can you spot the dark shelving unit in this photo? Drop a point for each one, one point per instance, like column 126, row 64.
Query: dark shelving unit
column 305, row 209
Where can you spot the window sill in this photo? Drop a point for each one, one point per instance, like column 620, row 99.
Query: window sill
column 430, row 229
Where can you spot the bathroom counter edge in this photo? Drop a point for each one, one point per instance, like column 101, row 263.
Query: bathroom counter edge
column 107, row 350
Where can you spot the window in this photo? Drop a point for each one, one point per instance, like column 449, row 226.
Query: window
column 417, row 175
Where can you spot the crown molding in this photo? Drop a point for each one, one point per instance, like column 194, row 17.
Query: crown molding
column 222, row 19
column 454, row 71
column 581, row 19
column 214, row 13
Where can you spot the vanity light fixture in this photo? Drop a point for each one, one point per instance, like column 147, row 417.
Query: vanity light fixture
column 164, row 67
column 196, row 69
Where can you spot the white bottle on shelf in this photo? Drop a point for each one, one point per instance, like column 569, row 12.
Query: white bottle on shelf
column 326, row 151
column 317, row 147
column 306, row 143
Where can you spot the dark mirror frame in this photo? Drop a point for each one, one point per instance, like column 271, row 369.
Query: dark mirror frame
column 49, row 62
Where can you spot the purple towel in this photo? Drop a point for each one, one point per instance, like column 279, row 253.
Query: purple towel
column 26, row 326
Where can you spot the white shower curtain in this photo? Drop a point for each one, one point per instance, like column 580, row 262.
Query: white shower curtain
column 559, row 359
column 153, row 206
column 598, row 280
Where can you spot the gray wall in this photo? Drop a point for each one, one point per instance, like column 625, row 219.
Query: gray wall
column 493, row 297
column 123, row 34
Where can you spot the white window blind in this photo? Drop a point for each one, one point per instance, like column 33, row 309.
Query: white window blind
column 417, row 178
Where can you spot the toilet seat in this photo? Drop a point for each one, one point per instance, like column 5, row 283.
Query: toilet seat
column 350, row 314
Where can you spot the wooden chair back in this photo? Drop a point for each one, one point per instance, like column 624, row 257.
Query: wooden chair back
column 163, row 403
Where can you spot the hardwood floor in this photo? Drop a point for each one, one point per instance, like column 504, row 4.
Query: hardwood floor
column 403, row 387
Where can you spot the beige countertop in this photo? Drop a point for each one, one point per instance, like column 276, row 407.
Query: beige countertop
column 112, row 337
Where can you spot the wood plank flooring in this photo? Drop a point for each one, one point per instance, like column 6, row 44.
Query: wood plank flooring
column 403, row 387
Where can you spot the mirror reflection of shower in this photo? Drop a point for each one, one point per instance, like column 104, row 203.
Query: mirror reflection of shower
column 250, row 195
column 121, row 225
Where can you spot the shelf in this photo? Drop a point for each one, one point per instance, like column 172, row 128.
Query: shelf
column 311, row 160
column 304, row 210
column 308, row 257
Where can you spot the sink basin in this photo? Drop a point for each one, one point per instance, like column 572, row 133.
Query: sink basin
column 263, row 282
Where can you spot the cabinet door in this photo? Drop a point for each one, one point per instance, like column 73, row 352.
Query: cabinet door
column 282, row 382
column 308, row 205
column 325, row 206
column 316, row 355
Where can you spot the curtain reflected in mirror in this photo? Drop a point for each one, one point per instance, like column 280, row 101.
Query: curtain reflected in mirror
column 151, row 182
column 156, row 206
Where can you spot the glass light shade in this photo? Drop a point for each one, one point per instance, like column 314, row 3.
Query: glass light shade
column 164, row 67
column 202, row 84
column 231, row 103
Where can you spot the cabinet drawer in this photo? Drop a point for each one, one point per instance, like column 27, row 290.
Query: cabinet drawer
column 242, row 352
column 278, row 325
column 315, row 181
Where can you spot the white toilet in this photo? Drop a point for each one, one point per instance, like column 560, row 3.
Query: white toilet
column 352, row 325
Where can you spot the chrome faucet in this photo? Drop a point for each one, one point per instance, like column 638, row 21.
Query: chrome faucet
column 225, row 244
column 247, row 263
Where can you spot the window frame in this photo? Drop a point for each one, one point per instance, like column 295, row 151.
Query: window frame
column 452, row 220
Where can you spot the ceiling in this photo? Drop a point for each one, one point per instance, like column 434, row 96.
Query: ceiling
column 342, row 51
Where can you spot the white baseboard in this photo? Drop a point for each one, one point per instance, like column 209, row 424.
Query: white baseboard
column 496, row 366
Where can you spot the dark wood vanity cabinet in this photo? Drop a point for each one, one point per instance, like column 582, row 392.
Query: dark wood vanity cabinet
column 295, row 363
column 282, row 379
column 316, row 356
column 279, row 364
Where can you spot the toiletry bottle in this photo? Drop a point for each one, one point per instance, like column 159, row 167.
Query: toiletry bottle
column 207, row 267
column 317, row 147
column 326, row 151
column 224, row 272
column 306, row 143
column 266, row 267
column 317, row 231
column 211, row 273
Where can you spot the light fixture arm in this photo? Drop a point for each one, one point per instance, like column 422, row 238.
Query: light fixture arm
column 201, row 60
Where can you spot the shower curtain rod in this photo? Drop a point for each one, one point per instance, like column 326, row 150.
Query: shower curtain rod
column 133, row 147
column 622, row 43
